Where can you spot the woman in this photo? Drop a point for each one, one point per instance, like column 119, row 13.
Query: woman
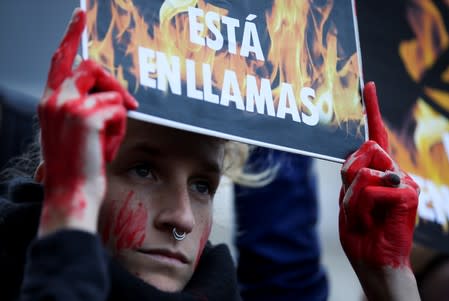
column 150, row 201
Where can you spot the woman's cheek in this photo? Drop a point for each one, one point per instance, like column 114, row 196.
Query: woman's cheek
column 203, row 240
column 106, row 221
column 125, row 223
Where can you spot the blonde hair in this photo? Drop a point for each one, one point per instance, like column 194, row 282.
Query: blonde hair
column 237, row 167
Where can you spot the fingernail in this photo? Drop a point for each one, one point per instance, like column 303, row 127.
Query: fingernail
column 75, row 15
column 392, row 179
column 132, row 102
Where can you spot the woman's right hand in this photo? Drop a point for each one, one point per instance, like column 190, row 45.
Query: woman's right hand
column 83, row 120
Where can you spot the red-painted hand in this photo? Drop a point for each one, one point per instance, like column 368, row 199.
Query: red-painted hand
column 378, row 201
column 83, row 119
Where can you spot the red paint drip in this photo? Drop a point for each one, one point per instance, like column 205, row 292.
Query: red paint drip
column 124, row 215
column 130, row 225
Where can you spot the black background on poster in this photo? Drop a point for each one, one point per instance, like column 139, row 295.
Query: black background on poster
column 382, row 26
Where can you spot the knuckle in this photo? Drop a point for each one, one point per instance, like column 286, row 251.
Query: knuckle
column 89, row 65
column 408, row 201
column 370, row 143
column 363, row 174
column 89, row 103
column 349, row 163
column 343, row 173
column 364, row 171
column 57, row 56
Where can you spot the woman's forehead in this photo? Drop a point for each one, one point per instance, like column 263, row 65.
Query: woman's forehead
column 171, row 141
column 140, row 129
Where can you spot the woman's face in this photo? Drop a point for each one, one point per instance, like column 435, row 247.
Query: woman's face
column 161, row 179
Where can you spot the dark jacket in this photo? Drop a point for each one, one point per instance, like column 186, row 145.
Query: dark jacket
column 279, row 251
column 72, row 265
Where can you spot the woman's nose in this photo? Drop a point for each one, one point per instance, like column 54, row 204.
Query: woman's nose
column 176, row 211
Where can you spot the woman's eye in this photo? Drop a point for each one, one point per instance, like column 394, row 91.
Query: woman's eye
column 202, row 188
column 143, row 171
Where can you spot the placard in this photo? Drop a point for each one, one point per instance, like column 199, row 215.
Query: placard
column 279, row 74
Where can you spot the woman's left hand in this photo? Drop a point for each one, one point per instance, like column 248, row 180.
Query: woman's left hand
column 378, row 203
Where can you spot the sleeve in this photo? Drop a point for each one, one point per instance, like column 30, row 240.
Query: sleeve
column 67, row 265
column 277, row 241
column 19, row 217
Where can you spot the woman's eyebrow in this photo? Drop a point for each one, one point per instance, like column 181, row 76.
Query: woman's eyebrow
column 208, row 163
column 211, row 166
column 143, row 147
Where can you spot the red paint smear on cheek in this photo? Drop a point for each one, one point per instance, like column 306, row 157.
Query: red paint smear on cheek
column 130, row 224
column 203, row 241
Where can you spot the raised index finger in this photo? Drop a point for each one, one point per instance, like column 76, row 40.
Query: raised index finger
column 62, row 60
column 376, row 128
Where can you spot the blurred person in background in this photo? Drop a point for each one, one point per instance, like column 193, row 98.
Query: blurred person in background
column 278, row 245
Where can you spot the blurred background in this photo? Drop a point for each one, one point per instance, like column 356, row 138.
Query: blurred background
column 30, row 32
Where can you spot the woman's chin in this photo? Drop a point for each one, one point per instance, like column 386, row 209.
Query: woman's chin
column 163, row 283
column 165, row 274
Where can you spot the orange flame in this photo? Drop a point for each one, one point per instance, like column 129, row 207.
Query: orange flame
column 428, row 158
column 431, row 38
column 300, row 63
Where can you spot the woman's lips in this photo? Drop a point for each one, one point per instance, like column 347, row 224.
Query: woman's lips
column 165, row 255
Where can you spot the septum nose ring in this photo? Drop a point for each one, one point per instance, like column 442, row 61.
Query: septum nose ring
column 178, row 236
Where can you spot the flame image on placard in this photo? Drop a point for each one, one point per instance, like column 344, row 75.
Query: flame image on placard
column 311, row 54
column 424, row 153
